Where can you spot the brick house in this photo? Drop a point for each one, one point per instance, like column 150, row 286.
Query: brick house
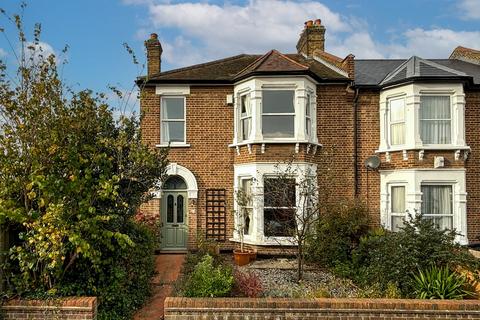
column 231, row 123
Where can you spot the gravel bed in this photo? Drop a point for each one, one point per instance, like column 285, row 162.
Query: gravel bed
column 278, row 281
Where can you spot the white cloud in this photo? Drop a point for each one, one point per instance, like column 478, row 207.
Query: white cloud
column 205, row 31
column 3, row 53
column 470, row 9
column 39, row 51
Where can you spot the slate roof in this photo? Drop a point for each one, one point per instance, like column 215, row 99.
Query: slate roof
column 387, row 72
column 235, row 68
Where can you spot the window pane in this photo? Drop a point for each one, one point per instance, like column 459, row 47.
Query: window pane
column 398, row 199
column 279, row 222
column 173, row 108
column 279, row 192
column 247, row 225
column 397, row 133
column 173, row 131
column 308, row 105
column 308, row 126
column 435, row 131
column 175, row 182
column 245, row 105
column 435, row 123
column 397, row 223
column 278, row 126
column 170, row 209
column 180, row 210
column 437, row 200
column 397, row 110
column 246, row 128
column 441, row 223
column 434, row 107
column 278, row 101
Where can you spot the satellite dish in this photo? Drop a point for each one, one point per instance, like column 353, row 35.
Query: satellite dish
column 372, row 162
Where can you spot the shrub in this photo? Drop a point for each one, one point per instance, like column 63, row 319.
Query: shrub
column 122, row 282
column 392, row 257
column 440, row 283
column 249, row 284
column 338, row 231
column 208, row 280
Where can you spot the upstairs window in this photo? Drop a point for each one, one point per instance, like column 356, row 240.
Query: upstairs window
column 437, row 205
column 435, row 120
column 245, row 116
column 397, row 121
column 278, row 114
column 308, row 116
column 173, row 120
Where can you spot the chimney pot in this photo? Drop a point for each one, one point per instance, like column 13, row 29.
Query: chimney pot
column 309, row 23
column 318, row 22
column 153, row 36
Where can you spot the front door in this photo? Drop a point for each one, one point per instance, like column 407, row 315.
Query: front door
column 174, row 218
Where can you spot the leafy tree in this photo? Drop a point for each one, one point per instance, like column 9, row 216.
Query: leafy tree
column 71, row 174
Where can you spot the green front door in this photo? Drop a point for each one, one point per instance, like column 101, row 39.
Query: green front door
column 175, row 228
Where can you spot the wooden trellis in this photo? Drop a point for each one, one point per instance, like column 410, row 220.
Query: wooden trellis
column 216, row 214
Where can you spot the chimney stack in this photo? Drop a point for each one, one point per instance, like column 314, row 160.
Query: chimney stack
column 312, row 38
column 154, row 55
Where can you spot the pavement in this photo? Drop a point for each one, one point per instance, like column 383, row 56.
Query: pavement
column 168, row 267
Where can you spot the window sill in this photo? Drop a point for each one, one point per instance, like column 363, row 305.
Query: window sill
column 244, row 143
column 425, row 147
column 183, row 145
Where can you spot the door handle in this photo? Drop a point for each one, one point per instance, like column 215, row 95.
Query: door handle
column 174, row 225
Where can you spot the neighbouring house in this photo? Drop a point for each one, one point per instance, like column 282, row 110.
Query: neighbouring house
column 229, row 123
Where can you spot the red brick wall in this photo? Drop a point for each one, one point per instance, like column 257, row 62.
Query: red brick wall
column 332, row 309
column 75, row 308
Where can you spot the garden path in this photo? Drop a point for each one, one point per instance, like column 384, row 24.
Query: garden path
column 168, row 267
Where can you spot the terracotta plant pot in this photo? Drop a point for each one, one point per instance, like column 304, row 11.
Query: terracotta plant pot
column 241, row 258
column 253, row 256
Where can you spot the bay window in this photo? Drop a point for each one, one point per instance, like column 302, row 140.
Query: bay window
column 246, row 205
column 435, row 120
column 278, row 114
column 172, row 120
column 437, row 205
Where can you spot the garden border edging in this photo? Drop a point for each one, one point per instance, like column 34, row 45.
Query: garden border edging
column 332, row 308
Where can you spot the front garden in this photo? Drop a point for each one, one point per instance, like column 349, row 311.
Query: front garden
column 345, row 259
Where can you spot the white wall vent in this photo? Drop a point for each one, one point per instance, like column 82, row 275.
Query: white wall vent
column 438, row 162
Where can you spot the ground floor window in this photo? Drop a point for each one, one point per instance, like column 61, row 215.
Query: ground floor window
column 246, row 205
column 279, row 206
column 439, row 195
column 437, row 205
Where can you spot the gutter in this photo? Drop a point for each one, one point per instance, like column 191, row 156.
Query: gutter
column 355, row 140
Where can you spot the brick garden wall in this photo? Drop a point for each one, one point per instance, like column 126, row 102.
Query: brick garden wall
column 75, row 308
column 332, row 309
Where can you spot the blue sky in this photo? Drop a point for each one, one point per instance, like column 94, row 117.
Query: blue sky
column 198, row 31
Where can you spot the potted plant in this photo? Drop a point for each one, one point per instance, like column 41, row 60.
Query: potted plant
column 243, row 199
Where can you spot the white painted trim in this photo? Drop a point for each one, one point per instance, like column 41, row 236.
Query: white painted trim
column 172, row 90
column 173, row 145
column 331, row 66
column 257, row 171
column 412, row 93
column 255, row 86
column 413, row 180
column 187, row 175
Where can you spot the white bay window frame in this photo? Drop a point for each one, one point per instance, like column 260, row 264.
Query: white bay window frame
column 412, row 94
column 258, row 172
column 254, row 87
column 413, row 179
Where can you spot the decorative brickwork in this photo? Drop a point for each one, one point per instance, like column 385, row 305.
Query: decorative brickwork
column 332, row 309
column 75, row 308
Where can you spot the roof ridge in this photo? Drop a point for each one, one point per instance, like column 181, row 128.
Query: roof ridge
column 258, row 60
column 207, row 63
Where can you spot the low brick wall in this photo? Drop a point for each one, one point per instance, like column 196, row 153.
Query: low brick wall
column 332, row 309
column 74, row 308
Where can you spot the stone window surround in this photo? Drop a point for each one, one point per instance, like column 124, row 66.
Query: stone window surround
column 413, row 179
column 412, row 94
column 254, row 87
column 257, row 171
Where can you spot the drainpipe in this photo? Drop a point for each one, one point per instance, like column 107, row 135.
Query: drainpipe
column 355, row 140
